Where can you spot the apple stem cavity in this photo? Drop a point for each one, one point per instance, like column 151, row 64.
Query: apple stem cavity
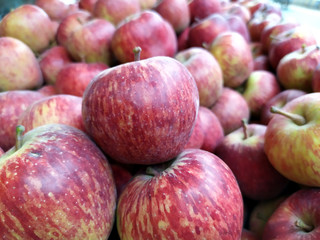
column 302, row 225
column 137, row 53
column 152, row 171
column 19, row 131
column 245, row 128
column 296, row 118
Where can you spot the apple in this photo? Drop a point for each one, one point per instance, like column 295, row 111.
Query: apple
column 206, row 71
column 176, row 12
column 240, row 10
column 289, row 41
column 243, row 149
column 261, row 212
column 259, row 88
column 30, row 24
column 20, row 69
column 200, row 9
column 254, row 5
column 87, row 5
column 186, row 200
column 315, row 82
column 70, row 24
column 183, row 39
column 233, row 53
column 262, row 63
column 236, row 24
column 47, row 90
column 230, row 109
column 62, row 108
column 148, row 30
column 57, row 10
column 116, row 11
column 279, row 100
column 13, row 103
column 56, row 184
column 51, row 61
column 92, row 42
column 297, row 217
column 147, row 110
column 295, row 70
column 256, row 49
column 271, row 31
column 147, row 4
column 203, row 32
column 212, row 129
column 73, row 78
column 121, row 177
column 291, row 140
column 197, row 136
column 248, row 235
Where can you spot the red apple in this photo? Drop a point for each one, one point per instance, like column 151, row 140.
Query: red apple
column 30, row 24
column 295, row 70
column 291, row 140
column 260, row 87
column 197, row 136
column 280, row 100
column 150, row 31
column 87, row 5
column 239, row 10
column 176, row 12
column 57, row 10
column 233, row 53
column 51, row 61
column 187, row 200
column 243, row 150
column 261, row 63
column 206, row 71
column 203, row 32
column 212, row 129
column 70, row 24
column 47, row 90
column 147, row 110
column 231, row 108
column 116, row 11
column 56, row 183
column 20, row 69
column 248, row 235
column 13, row 104
column 200, row 9
column 296, row 218
column 289, row 41
column 121, row 177
column 183, row 39
column 62, row 108
column 92, row 42
column 73, row 78
column 236, row 24
column 315, row 82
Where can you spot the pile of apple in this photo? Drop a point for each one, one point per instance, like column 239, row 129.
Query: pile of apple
column 146, row 119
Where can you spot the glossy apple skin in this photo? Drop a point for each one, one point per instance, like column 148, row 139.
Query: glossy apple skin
column 58, row 184
column 233, row 53
column 298, row 158
column 289, row 41
column 30, row 24
column 262, row 181
column 237, row 24
column 115, row 11
column 121, row 177
column 200, row 9
column 260, row 87
column 176, row 12
column 148, row 30
column 204, row 31
column 206, row 71
column 73, row 78
column 147, row 110
column 62, row 108
column 231, row 108
column 197, row 136
column 188, row 200
column 91, row 42
column 20, row 69
column 51, row 61
column 280, row 100
column 302, row 205
column 13, row 104
column 295, row 70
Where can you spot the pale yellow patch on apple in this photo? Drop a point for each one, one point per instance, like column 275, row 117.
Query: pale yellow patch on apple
column 163, row 225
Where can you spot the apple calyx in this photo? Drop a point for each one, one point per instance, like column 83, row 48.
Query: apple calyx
column 303, row 226
column 296, row 118
column 245, row 128
column 137, row 52
column 19, row 131
column 303, row 48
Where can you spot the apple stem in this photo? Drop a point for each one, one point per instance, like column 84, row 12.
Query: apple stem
column 303, row 48
column 19, row 131
column 137, row 53
column 152, row 171
column 302, row 225
column 245, row 128
column 296, row 118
